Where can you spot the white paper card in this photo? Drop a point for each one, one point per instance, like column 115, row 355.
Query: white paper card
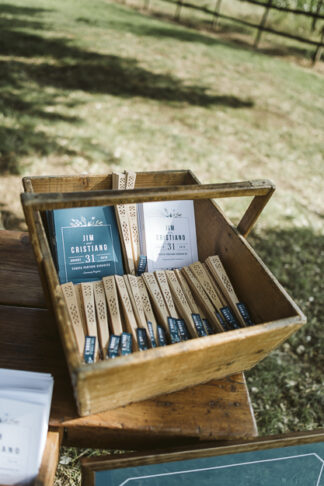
column 168, row 234
column 25, row 400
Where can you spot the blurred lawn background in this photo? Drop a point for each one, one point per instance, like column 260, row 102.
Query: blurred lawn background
column 91, row 86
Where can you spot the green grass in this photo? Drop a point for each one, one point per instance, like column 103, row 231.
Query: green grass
column 87, row 86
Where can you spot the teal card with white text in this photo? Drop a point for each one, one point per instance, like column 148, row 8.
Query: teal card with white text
column 87, row 243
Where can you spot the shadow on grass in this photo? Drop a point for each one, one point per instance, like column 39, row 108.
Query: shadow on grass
column 286, row 387
column 123, row 77
column 36, row 64
column 9, row 9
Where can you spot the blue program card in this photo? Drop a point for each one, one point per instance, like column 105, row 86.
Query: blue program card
column 245, row 313
column 161, row 336
column 200, row 328
column 151, row 334
column 230, row 318
column 126, row 343
column 208, row 327
column 183, row 330
column 89, row 349
column 173, row 330
column 113, row 346
column 142, row 339
column 87, row 243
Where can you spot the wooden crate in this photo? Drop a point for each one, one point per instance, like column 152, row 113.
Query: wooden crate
column 113, row 383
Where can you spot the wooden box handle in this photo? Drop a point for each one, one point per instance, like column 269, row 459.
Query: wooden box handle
column 260, row 189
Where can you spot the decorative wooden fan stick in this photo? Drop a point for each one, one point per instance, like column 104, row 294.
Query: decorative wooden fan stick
column 132, row 217
column 114, row 343
column 202, row 298
column 78, row 294
column 177, row 327
column 102, row 315
column 119, row 182
column 136, row 301
column 181, row 301
column 159, row 306
column 128, row 309
column 148, row 311
column 74, row 313
column 90, row 313
column 219, row 273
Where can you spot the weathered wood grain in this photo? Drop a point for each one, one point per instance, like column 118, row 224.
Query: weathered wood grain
column 99, row 182
column 177, row 366
column 47, row 470
column 48, row 201
column 18, row 266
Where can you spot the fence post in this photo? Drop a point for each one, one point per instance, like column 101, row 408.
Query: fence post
column 216, row 14
column 319, row 6
column 319, row 49
column 262, row 23
column 178, row 10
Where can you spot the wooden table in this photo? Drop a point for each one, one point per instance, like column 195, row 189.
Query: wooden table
column 218, row 410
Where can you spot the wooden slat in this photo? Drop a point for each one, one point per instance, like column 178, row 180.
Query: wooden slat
column 47, row 470
column 19, row 279
column 43, row 201
column 216, row 410
column 253, row 212
column 98, row 182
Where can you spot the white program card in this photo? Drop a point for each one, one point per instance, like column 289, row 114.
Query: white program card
column 168, row 234
column 20, row 432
